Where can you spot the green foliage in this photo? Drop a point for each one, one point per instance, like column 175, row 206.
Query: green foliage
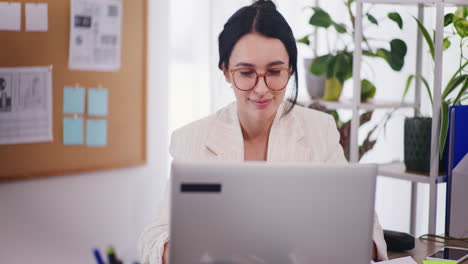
column 305, row 40
column 372, row 19
column 319, row 65
column 448, row 19
column 397, row 18
column 340, row 28
column 367, row 90
column 447, row 43
column 459, row 79
column 396, row 55
column 320, row 18
column 461, row 26
column 426, row 36
column 461, row 12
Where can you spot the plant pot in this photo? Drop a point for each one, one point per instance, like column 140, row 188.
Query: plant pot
column 315, row 84
column 417, row 145
column 333, row 89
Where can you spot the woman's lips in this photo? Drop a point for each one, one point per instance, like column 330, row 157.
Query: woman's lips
column 261, row 103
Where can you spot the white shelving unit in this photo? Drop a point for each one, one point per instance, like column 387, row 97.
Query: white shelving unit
column 397, row 169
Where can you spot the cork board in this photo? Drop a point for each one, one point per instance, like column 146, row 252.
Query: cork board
column 126, row 119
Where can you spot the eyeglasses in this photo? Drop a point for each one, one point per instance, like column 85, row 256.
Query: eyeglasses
column 245, row 79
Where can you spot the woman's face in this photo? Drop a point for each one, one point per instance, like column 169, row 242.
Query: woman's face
column 257, row 53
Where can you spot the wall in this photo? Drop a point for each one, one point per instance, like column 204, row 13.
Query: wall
column 60, row 219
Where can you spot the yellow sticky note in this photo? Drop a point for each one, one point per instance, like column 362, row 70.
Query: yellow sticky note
column 439, row 262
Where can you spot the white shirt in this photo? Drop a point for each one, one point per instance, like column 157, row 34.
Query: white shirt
column 303, row 135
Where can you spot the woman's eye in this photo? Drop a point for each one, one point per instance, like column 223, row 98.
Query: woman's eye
column 274, row 72
column 246, row 73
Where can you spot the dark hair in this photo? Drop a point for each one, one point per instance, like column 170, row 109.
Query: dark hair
column 263, row 18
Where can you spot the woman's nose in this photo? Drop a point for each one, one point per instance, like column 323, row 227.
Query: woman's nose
column 261, row 86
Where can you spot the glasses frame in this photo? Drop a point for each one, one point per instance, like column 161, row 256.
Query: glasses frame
column 259, row 75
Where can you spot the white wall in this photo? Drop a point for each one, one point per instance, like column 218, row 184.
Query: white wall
column 60, row 219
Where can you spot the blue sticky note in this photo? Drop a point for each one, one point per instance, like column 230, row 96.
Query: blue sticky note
column 96, row 132
column 72, row 131
column 73, row 100
column 97, row 101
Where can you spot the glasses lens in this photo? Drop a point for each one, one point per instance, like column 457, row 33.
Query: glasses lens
column 244, row 79
column 277, row 79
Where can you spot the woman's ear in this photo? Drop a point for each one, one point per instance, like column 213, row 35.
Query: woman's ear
column 227, row 76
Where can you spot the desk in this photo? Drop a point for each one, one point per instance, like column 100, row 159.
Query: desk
column 423, row 248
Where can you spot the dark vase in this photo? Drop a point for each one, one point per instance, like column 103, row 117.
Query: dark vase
column 417, row 145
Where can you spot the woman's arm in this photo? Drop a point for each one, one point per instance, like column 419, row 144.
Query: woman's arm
column 155, row 236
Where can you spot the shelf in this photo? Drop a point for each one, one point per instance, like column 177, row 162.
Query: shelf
column 348, row 104
column 403, row 2
column 397, row 170
column 456, row 2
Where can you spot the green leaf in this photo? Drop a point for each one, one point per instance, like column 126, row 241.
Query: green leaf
column 448, row 19
column 397, row 18
column 446, row 43
column 461, row 26
column 407, row 86
column 331, row 67
column 424, row 81
column 372, row 19
column 458, row 100
column 319, row 65
column 367, row 90
column 443, row 127
column 426, row 36
column 461, row 12
column 340, row 68
column 305, row 40
column 398, row 47
column 383, row 53
column 452, row 85
column 396, row 56
column 340, row 28
column 320, row 18
column 456, row 73
column 349, row 2
column 428, row 89
column 349, row 66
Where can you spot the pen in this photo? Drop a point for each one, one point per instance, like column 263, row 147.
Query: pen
column 111, row 257
column 98, row 257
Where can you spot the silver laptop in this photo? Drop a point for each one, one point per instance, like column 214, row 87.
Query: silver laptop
column 239, row 213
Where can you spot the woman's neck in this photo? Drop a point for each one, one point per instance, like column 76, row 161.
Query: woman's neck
column 255, row 130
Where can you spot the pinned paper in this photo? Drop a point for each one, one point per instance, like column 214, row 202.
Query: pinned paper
column 37, row 17
column 73, row 131
column 97, row 101
column 10, row 16
column 73, row 100
column 96, row 132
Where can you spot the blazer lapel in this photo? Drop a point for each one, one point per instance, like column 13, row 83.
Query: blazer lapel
column 224, row 137
column 285, row 142
column 286, row 139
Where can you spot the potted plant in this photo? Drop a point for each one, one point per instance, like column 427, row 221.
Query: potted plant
column 417, row 130
column 337, row 65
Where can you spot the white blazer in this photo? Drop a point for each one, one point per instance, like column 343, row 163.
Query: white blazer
column 302, row 135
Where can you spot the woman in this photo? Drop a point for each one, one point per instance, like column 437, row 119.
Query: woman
column 258, row 55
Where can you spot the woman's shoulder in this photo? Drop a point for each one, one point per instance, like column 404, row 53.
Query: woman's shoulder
column 192, row 137
column 203, row 124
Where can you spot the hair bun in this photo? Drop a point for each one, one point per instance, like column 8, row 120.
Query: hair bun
column 264, row 3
